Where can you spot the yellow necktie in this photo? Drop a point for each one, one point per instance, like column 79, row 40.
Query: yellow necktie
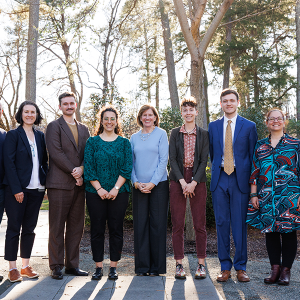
column 228, row 154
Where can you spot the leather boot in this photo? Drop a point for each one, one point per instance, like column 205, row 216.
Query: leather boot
column 285, row 275
column 274, row 276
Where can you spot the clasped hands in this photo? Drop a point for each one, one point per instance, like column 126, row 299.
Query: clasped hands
column 188, row 188
column 77, row 174
column 104, row 194
column 145, row 187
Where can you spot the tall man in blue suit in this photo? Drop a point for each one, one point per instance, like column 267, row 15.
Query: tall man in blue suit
column 232, row 139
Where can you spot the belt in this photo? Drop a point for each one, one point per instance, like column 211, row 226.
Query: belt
column 222, row 169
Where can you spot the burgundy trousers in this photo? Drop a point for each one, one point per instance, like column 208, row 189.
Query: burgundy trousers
column 198, row 209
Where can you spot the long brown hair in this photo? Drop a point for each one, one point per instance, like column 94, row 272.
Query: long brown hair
column 99, row 129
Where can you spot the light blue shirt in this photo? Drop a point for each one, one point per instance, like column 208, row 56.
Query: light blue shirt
column 150, row 156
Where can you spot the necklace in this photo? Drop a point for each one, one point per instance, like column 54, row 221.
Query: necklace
column 145, row 136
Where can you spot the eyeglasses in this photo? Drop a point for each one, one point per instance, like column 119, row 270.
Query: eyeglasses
column 278, row 119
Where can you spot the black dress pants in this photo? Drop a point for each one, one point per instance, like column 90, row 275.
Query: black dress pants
column 286, row 247
column 150, row 217
column 112, row 211
column 23, row 215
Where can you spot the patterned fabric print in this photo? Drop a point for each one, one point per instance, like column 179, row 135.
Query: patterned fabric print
column 276, row 172
column 228, row 154
column 189, row 146
column 105, row 161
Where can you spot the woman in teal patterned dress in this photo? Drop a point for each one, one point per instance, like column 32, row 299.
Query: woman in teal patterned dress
column 107, row 172
column 275, row 204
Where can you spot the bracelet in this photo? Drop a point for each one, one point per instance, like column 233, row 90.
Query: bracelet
column 253, row 195
column 99, row 188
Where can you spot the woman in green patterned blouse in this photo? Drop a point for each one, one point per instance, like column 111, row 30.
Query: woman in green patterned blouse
column 107, row 172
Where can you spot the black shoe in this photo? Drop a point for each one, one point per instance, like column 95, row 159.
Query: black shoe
column 141, row 274
column 153, row 274
column 56, row 273
column 98, row 274
column 112, row 273
column 76, row 272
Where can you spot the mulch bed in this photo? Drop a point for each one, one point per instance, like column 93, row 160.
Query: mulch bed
column 256, row 243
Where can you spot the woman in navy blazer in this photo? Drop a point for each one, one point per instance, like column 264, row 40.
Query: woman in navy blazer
column 25, row 161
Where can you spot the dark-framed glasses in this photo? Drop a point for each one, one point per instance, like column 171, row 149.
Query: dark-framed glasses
column 278, row 119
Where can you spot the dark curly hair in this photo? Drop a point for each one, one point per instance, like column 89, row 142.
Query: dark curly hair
column 18, row 115
column 99, row 129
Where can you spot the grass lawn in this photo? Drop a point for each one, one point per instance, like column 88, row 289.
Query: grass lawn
column 45, row 204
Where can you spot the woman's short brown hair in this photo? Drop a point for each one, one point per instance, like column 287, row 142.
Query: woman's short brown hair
column 142, row 110
column 99, row 128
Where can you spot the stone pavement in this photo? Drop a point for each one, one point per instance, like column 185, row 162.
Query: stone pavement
column 127, row 287
column 131, row 287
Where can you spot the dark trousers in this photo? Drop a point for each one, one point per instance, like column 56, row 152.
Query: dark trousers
column 230, row 208
column 2, row 193
column 112, row 211
column 287, row 247
column 66, row 223
column 150, row 217
column 198, row 209
column 19, row 215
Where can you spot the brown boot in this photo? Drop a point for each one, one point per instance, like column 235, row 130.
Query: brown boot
column 285, row 276
column 274, row 276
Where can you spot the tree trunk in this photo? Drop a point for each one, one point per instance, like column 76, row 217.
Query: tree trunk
column 227, row 56
column 31, row 63
column 189, row 227
column 169, row 55
column 197, row 88
column 297, row 18
column 156, row 76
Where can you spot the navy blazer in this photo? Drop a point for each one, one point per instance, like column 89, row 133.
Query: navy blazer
column 2, row 138
column 18, row 159
column 244, row 140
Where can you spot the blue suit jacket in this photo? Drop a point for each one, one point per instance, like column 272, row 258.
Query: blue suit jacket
column 2, row 138
column 18, row 159
column 244, row 140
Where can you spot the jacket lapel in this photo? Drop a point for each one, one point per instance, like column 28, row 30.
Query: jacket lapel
column 220, row 124
column 24, row 139
column 238, row 126
column 38, row 144
column 67, row 130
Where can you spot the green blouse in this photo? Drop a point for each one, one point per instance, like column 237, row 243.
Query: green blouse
column 105, row 161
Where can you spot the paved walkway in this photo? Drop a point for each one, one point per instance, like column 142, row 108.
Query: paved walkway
column 83, row 288
column 131, row 287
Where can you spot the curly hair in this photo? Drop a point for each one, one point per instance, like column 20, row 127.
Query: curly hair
column 99, row 128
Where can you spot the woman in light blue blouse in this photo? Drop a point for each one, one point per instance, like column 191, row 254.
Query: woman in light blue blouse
column 107, row 171
column 150, row 193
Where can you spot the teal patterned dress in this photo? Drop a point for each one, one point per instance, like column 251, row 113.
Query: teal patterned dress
column 276, row 172
column 105, row 161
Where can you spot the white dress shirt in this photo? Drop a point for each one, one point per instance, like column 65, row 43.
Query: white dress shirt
column 34, row 180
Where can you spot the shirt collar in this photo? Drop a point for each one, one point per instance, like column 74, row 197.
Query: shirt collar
column 233, row 120
column 182, row 129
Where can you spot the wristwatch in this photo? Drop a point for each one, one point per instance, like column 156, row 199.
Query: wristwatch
column 117, row 188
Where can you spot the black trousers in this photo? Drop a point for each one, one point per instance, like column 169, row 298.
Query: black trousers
column 286, row 247
column 112, row 211
column 150, row 217
column 23, row 215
